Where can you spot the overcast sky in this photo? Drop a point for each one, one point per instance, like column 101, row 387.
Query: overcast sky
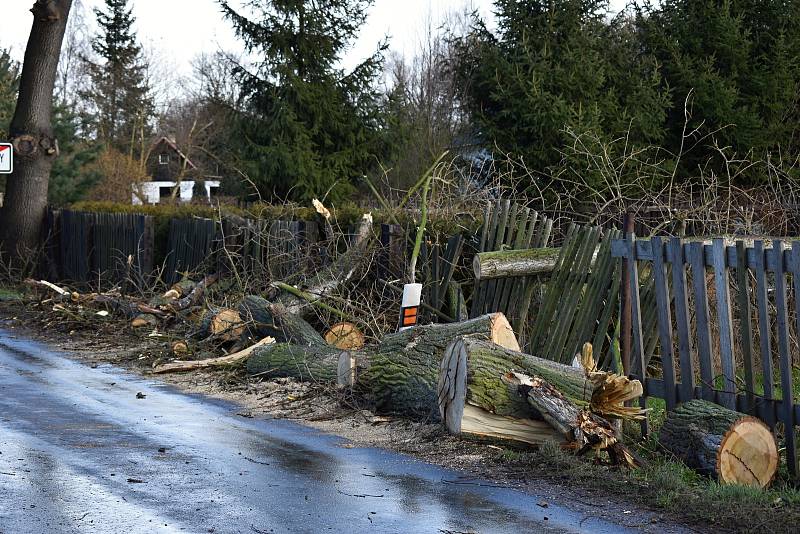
column 181, row 29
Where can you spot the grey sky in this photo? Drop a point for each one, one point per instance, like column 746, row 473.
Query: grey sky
column 178, row 30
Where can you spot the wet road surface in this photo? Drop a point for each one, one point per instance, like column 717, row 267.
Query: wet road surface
column 79, row 452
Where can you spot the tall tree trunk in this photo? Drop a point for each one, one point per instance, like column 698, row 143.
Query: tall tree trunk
column 31, row 131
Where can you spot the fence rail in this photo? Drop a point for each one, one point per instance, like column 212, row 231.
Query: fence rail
column 713, row 301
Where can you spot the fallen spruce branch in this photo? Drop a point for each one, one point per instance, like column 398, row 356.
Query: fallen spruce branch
column 222, row 361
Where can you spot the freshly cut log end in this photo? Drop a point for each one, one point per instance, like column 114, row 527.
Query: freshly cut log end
column 227, row 324
column 144, row 319
column 732, row 447
column 345, row 335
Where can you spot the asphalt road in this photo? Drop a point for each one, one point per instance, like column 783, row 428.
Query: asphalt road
column 79, row 452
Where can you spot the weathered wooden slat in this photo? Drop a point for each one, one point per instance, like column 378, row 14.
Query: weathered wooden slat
column 664, row 322
column 679, row 288
column 702, row 320
column 745, row 322
column 724, row 317
column 785, row 360
column 637, row 356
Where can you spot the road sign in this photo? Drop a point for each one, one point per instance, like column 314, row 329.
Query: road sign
column 6, row 158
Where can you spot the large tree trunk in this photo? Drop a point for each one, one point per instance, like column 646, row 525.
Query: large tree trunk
column 398, row 375
column 715, row 441
column 474, row 400
column 31, row 131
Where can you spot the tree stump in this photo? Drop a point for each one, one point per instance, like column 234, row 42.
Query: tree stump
column 729, row 446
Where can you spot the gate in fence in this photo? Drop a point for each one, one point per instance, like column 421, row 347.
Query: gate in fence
column 728, row 319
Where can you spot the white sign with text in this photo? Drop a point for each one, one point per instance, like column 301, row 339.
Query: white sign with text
column 6, row 158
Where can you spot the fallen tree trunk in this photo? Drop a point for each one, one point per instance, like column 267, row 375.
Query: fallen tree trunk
column 398, row 375
column 274, row 320
column 729, row 446
column 523, row 262
column 222, row 361
column 471, row 392
column 314, row 363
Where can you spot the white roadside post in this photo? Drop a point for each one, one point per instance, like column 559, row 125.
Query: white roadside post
column 409, row 308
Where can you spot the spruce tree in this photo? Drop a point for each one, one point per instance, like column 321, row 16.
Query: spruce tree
column 737, row 62
column 551, row 67
column 119, row 90
column 306, row 128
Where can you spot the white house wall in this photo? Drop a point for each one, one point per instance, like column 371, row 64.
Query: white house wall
column 150, row 191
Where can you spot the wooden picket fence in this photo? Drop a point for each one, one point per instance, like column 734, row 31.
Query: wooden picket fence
column 713, row 302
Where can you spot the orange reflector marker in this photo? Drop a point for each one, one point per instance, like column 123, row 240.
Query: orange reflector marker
column 409, row 308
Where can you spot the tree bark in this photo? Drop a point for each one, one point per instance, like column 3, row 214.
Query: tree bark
column 31, row 131
column 715, row 441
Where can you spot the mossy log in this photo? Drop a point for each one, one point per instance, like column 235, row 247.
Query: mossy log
column 471, row 389
column 315, row 363
column 400, row 375
column 729, row 446
column 268, row 319
column 523, row 262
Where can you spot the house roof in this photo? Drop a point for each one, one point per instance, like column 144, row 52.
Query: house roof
column 170, row 143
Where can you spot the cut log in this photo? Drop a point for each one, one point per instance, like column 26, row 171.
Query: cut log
column 505, row 263
column 226, row 324
column 398, row 375
column 196, row 293
column 265, row 318
column 729, row 446
column 222, row 361
column 345, row 335
column 144, row 319
column 471, row 376
column 179, row 348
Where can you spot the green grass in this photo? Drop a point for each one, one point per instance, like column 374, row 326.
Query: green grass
column 668, row 486
column 9, row 294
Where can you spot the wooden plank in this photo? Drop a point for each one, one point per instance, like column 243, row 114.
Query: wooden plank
column 724, row 317
column 682, row 322
column 664, row 321
column 702, row 320
column 745, row 323
column 637, row 352
column 785, row 359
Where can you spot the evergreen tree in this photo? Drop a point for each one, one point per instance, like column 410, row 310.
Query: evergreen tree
column 553, row 67
column 307, row 128
column 123, row 105
column 738, row 60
